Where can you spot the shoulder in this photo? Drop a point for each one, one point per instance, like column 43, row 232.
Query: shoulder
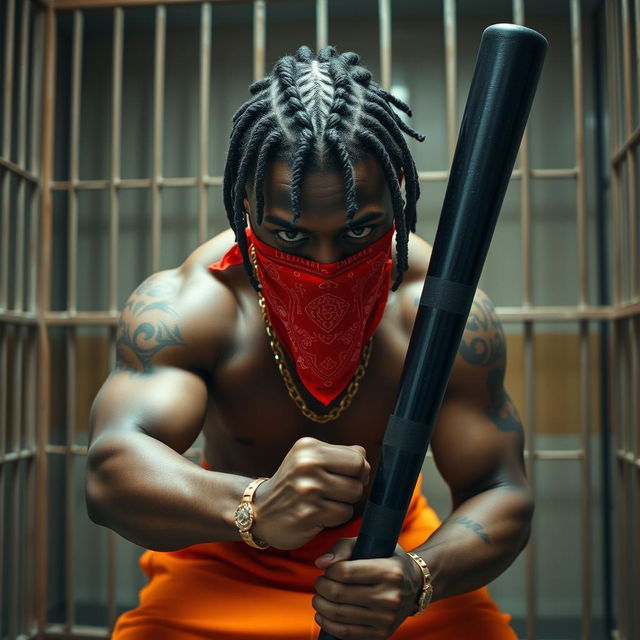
column 408, row 293
column 482, row 355
column 179, row 317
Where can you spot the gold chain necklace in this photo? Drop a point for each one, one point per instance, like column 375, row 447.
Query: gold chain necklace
column 290, row 385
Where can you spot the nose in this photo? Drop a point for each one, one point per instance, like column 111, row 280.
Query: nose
column 326, row 252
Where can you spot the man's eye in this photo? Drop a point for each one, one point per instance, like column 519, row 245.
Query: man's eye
column 359, row 232
column 290, row 236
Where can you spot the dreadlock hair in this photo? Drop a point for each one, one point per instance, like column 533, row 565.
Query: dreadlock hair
column 319, row 110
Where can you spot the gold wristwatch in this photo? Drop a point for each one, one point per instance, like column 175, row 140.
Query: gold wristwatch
column 245, row 515
column 427, row 589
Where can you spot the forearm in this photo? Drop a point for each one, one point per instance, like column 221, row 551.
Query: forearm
column 478, row 540
column 153, row 496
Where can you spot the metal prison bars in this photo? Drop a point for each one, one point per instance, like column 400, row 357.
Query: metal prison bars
column 27, row 187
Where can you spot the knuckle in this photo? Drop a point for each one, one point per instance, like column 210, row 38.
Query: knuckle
column 391, row 600
column 305, row 443
column 395, row 575
column 306, row 511
column 306, row 463
column 343, row 571
column 306, row 487
column 335, row 592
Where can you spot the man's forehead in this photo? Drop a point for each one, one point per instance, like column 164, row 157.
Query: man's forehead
column 368, row 180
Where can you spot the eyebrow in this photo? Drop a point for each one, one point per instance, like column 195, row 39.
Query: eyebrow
column 287, row 224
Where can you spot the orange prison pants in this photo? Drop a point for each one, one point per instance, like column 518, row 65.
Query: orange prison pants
column 229, row 591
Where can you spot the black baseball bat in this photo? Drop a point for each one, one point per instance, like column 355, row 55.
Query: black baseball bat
column 506, row 75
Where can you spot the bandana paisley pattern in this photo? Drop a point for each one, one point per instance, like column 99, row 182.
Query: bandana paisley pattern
column 324, row 314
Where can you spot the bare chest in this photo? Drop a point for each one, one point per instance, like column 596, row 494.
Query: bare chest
column 252, row 420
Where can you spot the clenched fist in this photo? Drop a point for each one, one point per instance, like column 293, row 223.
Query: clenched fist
column 315, row 487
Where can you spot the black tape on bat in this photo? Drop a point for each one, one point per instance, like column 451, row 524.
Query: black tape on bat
column 447, row 295
column 383, row 520
column 404, row 434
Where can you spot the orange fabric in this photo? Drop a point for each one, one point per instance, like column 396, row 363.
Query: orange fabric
column 229, row 591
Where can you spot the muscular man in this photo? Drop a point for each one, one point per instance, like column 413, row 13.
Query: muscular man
column 283, row 340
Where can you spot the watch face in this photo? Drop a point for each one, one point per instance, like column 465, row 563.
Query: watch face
column 244, row 516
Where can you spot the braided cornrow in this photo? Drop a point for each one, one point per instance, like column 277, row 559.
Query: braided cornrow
column 316, row 110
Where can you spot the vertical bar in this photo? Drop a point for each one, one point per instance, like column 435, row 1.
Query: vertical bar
column 451, row 59
column 613, row 129
column 621, row 482
column 44, row 298
column 322, row 24
column 71, row 383
column 583, row 293
column 632, row 204
column 22, row 91
column 3, row 445
column 111, row 535
column 36, row 132
column 76, row 88
column 585, row 476
column 116, row 132
column 635, row 470
column 259, row 38
column 530, row 444
column 31, row 378
column 6, row 150
column 525, row 190
column 384, row 18
column 15, row 538
column 8, row 78
column 205, row 74
column 637, row 30
column 21, row 204
column 578, row 112
column 13, row 545
column 158, row 114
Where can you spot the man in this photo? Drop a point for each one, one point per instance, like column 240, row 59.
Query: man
column 286, row 348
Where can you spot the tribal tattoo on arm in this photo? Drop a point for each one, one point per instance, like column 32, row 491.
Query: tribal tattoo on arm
column 148, row 324
column 483, row 345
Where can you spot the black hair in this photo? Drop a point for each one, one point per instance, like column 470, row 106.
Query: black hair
column 317, row 110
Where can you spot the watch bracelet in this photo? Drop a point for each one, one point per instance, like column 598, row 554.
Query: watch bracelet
column 247, row 498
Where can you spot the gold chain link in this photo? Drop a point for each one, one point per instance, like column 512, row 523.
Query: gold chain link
column 290, row 385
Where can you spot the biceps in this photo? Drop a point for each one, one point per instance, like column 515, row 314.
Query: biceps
column 477, row 447
column 168, row 404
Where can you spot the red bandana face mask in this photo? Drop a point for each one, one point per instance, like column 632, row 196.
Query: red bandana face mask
column 324, row 314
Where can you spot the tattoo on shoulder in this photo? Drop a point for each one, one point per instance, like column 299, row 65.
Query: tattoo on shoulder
column 483, row 341
column 501, row 409
column 150, row 336
column 472, row 525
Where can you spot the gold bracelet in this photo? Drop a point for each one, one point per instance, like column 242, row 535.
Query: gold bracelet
column 426, row 593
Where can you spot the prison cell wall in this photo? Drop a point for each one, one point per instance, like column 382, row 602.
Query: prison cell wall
column 418, row 77
column 81, row 354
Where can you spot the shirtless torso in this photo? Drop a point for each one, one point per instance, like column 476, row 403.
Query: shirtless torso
column 193, row 356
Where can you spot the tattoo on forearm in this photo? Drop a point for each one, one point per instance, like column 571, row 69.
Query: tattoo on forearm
column 486, row 349
column 147, row 338
column 470, row 524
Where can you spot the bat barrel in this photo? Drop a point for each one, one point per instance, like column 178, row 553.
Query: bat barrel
column 506, row 75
